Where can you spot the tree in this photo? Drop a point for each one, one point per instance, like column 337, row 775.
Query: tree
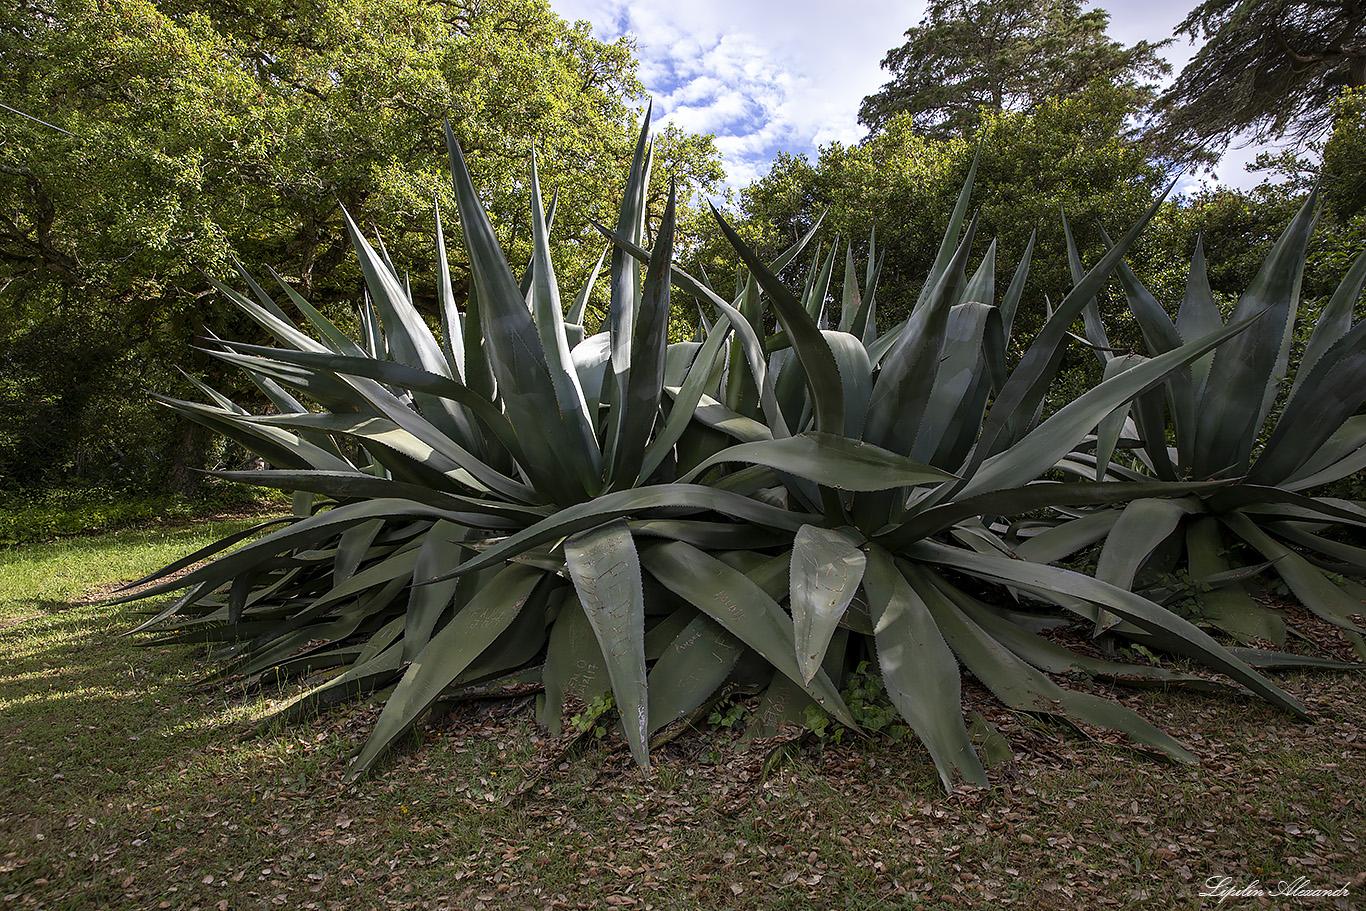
column 183, row 133
column 1070, row 153
column 1002, row 56
column 1271, row 68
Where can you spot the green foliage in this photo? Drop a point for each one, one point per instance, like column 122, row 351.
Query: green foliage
column 186, row 134
column 591, row 719
column 973, row 58
column 1070, row 153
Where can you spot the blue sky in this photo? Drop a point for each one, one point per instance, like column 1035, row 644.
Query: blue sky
column 788, row 75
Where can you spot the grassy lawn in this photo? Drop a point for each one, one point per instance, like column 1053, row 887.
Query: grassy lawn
column 123, row 785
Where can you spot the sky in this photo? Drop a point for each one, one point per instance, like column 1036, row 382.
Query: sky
column 788, row 75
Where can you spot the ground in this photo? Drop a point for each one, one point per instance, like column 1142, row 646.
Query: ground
column 125, row 783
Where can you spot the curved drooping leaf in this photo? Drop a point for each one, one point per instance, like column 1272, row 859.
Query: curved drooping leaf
column 732, row 599
column 831, row 460
column 449, row 652
column 919, row 670
column 605, row 508
column 1044, row 580
column 827, row 567
column 605, row 570
column 1021, row 686
column 692, row 668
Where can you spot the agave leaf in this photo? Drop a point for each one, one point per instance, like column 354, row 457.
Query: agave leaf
column 1041, row 495
column 1334, row 321
column 1257, row 657
column 1141, row 527
column 452, row 329
column 949, row 244
column 579, row 307
column 544, row 297
column 1227, row 607
column 1051, row 440
column 277, row 446
column 1111, row 427
column 573, row 663
column 1013, row 411
column 1332, row 392
column 783, row 704
column 753, row 349
column 959, row 392
column 818, row 363
column 826, row 570
column 1011, row 301
column 442, row 547
column 1241, row 386
column 1090, row 313
column 830, row 460
column 222, row 401
column 1066, row 539
column 271, row 318
column 849, row 294
column 513, row 348
column 643, row 385
column 1313, row 589
column 1344, row 451
column 737, row 603
column 712, row 413
column 1160, row 334
column 904, row 386
column 625, row 274
column 354, row 485
column 919, row 670
column 450, row 651
column 301, row 532
column 605, row 569
column 352, row 548
column 1052, row 658
column 865, row 321
column 685, row 400
column 691, row 669
column 1022, row 687
column 400, row 376
column 374, row 674
column 1285, row 504
column 621, row 503
column 1046, row 580
column 409, row 339
column 856, row 378
column 418, row 441
column 1347, row 554
column 813, row 297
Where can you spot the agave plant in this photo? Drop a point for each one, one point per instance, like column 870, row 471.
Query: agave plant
column 1219, row 418
column 516, row 505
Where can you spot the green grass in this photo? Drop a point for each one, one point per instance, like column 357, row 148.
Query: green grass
column 124, row 786
column 30, row 517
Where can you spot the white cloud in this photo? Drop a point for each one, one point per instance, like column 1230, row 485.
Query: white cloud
column 788, row 75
